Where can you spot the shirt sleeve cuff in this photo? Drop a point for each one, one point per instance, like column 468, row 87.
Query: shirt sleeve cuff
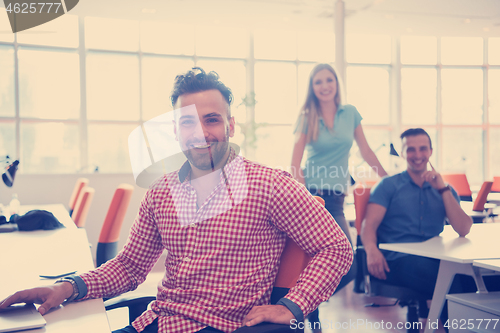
column 294, row 308
column 82, row 287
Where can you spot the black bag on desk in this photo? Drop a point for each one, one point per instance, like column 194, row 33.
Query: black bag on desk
column 36, row 220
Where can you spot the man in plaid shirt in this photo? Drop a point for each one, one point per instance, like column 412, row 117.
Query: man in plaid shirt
column 223, row 220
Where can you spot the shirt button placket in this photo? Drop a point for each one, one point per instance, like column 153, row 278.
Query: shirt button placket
column 189, row 249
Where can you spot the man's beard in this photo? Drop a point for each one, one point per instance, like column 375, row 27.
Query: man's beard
column 212, row 158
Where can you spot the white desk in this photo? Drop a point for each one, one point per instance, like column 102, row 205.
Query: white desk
column 477, row 216
column 468, row 205
column 350, row 214
column 492, row 264
column 457, row 255
column 494, row 197
column 26, row 254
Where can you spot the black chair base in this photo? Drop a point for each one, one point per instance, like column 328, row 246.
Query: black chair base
column 269, row 328
column 136, row 305
column 406, row 297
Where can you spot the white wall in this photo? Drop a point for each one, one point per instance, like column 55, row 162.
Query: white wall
column 49, row 189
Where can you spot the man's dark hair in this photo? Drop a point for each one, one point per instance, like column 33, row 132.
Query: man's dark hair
column 193, row 82
column 416, row 131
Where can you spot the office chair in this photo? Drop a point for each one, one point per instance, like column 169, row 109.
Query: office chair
column 79, row 214
column 480, row 201
column 495, row 188
column 460, row 184
column 292, row 262
column 482, row 195
column 79, row 185
column 374, row 287
column 107, row 246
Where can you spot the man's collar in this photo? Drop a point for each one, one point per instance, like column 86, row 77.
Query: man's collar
column 406, row 176
column 185, row 169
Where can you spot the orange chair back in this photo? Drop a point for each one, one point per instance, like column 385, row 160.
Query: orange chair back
column 496, row 184
column 370, row 183
column 80, row 184
column 361, row 196
column 482, row 195
column 110, row 231
column 459, row 183
column 82, row 206
column 292, row 262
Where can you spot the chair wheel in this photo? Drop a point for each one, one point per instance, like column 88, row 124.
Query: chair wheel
column 412, row 317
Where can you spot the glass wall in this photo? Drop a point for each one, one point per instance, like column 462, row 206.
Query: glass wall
column 69, row 99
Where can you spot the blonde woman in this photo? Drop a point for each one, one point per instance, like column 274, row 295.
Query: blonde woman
column 327, row 128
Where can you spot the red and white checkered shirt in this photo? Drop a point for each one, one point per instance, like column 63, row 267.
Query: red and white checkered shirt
column 222, row 262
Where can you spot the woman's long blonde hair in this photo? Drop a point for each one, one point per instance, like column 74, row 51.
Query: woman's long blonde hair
column 310, row 111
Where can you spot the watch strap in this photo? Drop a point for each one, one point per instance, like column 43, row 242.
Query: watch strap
column 444, row 189
column 73, row 284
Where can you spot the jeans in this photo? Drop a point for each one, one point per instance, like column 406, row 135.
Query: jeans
column 334, row 204
column 420, row 274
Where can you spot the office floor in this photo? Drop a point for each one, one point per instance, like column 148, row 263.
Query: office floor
column 345, row 312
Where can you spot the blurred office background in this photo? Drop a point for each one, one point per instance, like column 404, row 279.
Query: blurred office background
column 72, row 90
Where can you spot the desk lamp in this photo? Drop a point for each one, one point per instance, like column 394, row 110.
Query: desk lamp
column 10, row 173
column 393, row 151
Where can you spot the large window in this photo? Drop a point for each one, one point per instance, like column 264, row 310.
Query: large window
column 82, row 88
column 418, row 96
column 7, row 96
column 462, row 96
column 113, row 87
column 455, row 97
column 368, row 90
column 49, row 84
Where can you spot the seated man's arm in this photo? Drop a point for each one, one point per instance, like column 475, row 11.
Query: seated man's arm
column 123, row 273
column 313, row 229
column 375, row 260
column 459, row 220
column 131, row 266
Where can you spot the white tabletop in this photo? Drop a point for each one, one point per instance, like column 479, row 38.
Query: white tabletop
column 27, row 254
column 480, row 243
column 493, row 264
column 468, row 205
column 494, row 197
column 350, row 213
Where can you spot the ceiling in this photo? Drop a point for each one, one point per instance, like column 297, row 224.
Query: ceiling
column 394, row 17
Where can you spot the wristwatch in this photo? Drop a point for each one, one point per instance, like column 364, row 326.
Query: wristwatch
column 76, row 292
column 444, row 189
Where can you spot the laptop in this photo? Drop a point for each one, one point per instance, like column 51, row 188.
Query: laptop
column 20, row 317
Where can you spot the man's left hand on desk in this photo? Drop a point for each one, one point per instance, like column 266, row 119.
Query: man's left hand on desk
column 278, row 314
column 50, row 296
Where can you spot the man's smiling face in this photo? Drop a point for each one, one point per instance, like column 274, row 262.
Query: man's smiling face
column 417, row 151
column 203, row 132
